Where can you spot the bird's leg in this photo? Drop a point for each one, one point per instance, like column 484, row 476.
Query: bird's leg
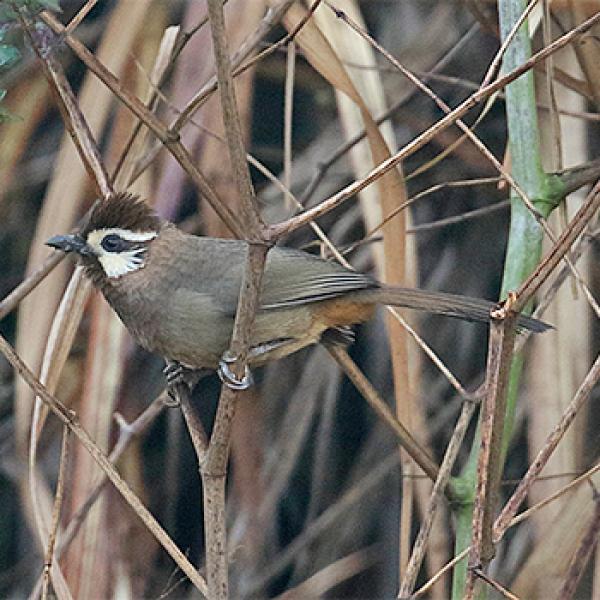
column 176, row 374
column 228, row 377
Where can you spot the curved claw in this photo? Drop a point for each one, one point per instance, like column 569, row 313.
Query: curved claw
column 175, row 374
column 172, row 401
column 227, row 376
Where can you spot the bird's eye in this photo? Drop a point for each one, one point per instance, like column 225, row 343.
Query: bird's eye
column 112, row 243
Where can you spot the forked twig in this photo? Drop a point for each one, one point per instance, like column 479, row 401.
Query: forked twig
column 70, row 420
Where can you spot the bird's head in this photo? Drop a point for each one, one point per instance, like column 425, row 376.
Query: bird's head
column 116, row 237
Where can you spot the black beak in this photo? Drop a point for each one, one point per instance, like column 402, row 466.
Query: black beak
column 69, row 243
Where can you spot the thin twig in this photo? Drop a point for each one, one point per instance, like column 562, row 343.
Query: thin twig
column 73, row 119
column 351, row 190
column 468, row 215
column 288, row 112
column 550, row 444
column 559, row 250
column 435, row 359
column 168, row 138
column 70, row 420
column 584, row 551
column 80, row 16
column 56, row 510
column 422, row 540
column 555, row 496
column 274, row 15
column 433, row 580
column 213, row 465
column 493, row 583
column 422, row 194
column 12, row 300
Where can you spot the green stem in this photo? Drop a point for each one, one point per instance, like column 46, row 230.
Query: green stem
column 524, row 242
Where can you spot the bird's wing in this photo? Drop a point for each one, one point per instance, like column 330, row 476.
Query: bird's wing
column 294, row 277
column 291, row 277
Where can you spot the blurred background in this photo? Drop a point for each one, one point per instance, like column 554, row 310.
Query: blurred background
column 316, row 487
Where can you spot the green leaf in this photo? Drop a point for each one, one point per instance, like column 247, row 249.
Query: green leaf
column 9, row 55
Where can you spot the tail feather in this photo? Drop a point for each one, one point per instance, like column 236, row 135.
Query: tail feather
column 439, row 303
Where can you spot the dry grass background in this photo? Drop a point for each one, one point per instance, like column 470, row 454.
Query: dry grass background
column 320, row 503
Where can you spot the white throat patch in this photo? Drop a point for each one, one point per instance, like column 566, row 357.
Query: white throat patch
column 122, row 260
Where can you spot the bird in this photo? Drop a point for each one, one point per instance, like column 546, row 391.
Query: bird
column 177, row 293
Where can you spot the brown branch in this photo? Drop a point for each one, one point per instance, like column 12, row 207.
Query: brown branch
column 575, row 177
column 69, row 419
column 193, row 423
column 233, row 130
column 213, row 462
column 73, row 119
column 80, row 16
column 489, row 465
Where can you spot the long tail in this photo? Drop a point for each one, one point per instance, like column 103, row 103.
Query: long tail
column 439, row 303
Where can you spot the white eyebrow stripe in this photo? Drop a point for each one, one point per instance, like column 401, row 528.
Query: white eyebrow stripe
column 130, row 236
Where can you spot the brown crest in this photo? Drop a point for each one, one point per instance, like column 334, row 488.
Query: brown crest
column 122, row 210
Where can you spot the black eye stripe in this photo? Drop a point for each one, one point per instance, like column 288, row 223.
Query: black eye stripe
column 114, row 243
